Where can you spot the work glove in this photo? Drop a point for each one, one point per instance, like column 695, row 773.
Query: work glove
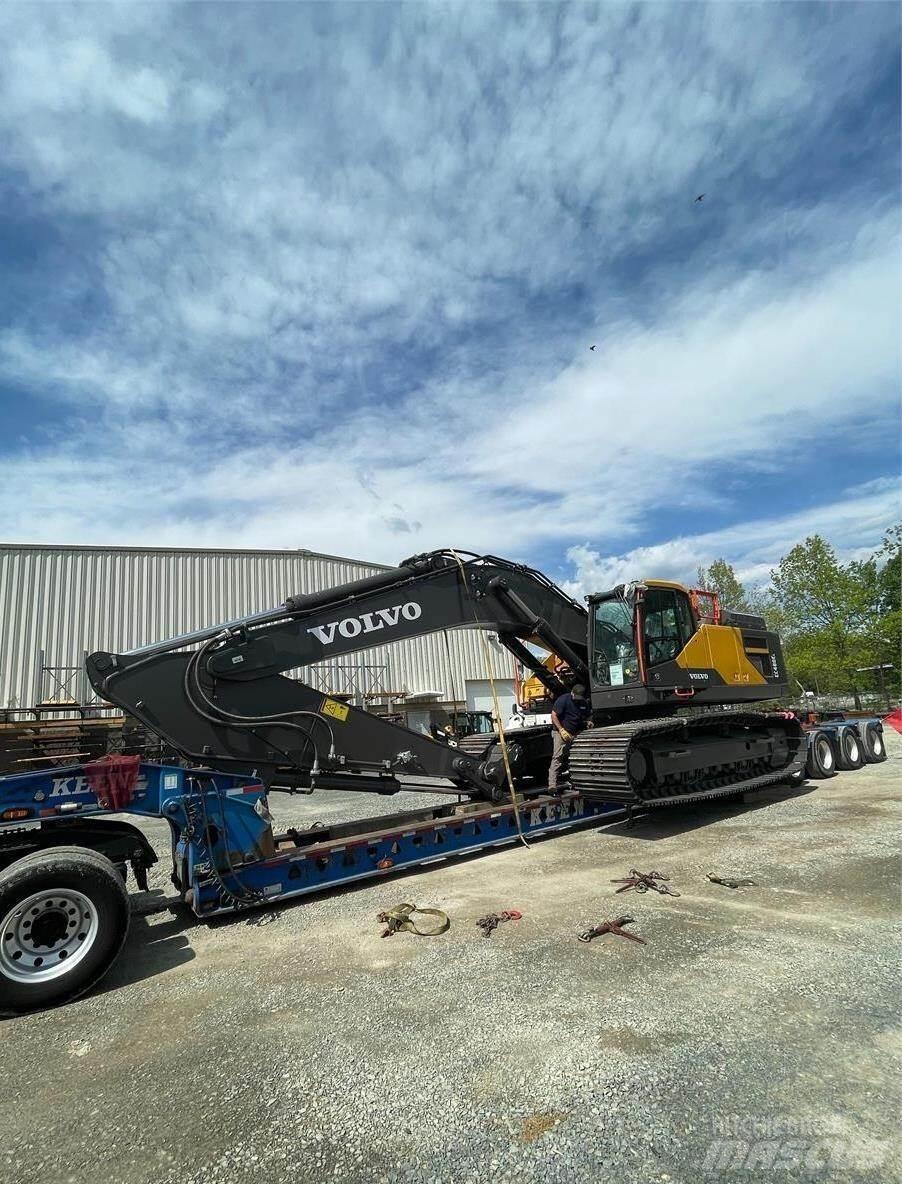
column 565, row 735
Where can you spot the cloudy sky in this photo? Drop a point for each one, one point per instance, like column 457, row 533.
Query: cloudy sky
column 327, row 277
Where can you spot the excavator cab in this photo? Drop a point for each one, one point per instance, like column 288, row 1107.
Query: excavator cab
column 472, row 723
column 660, row 642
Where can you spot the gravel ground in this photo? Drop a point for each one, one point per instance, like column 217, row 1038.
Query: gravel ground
column 298, row 1044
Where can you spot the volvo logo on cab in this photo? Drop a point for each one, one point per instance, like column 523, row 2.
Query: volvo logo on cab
column 367, row 622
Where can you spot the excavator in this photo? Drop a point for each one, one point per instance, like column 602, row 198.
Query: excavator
column 671, row 672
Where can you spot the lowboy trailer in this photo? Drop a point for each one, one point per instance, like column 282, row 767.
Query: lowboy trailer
column 65, row 852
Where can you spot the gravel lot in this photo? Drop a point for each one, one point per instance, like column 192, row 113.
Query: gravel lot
column 299, row 1045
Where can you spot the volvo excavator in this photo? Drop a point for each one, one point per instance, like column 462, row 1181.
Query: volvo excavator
column 671, row 672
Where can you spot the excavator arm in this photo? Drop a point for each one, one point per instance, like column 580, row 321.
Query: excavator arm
column 220, row 695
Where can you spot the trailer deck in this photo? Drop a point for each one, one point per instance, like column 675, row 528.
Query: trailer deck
column 66, row 845
column 245, row 863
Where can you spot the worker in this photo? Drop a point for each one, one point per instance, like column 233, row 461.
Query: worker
column 572, row 714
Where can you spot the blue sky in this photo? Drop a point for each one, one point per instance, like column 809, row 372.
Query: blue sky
column 327, row 277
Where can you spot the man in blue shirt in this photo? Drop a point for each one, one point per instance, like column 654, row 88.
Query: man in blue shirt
column 572, row 714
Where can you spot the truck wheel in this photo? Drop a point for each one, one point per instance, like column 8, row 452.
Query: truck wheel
column 821, row 761
column 63, row 918
column 849, row 749
column 874, row 747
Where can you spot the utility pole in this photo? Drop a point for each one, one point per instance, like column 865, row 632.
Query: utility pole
column 884, row 690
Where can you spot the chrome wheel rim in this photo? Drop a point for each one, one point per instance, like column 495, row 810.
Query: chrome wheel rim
column 45, row 935
column 825, row 754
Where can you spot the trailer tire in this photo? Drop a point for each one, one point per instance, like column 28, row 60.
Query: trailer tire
column 873, row 744
column 849, row 748
column 821, row 762
column 79, row 901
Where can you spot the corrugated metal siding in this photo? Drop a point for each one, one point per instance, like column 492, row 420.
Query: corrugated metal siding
column 70, row 600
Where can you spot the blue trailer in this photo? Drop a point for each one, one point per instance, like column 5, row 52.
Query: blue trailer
column 66, row 848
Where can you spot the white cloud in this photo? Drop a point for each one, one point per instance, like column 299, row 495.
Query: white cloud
column 80, row 75
column 589, row 454
column 288, row 210
column 854, row 525
column 750, row 370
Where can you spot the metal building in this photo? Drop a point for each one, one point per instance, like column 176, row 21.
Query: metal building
column 58, row 603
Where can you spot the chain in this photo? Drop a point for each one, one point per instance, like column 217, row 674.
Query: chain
column 645, row 881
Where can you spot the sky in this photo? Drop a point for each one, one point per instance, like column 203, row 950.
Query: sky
column 327, row 276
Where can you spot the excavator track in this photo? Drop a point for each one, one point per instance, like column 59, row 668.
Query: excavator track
column 661, row 762
column 686, row 758
column 477, row 746
column 528, row 750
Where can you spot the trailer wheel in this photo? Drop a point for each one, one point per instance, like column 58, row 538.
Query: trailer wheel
column 63, row 918
column 821, row 761
column 850, row 751
column 874, row 747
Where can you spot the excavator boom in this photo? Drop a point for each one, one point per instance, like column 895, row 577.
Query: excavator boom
column 229, row 701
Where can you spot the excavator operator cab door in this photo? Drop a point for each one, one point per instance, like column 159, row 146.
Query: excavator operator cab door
column 614, row 660
column 668, row 624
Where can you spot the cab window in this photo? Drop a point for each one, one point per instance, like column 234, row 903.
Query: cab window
column 614, row 659
column 668, row 624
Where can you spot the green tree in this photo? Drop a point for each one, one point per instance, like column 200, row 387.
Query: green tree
column 889, row 574
column 886, row 641
column 721, row 578
column 831, row 614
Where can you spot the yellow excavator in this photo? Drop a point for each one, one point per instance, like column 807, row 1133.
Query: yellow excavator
column 657, row 646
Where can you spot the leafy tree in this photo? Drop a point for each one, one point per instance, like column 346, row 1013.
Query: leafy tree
column 886, row 641
column 889, row 575
column 722, row 579
column 833, row 616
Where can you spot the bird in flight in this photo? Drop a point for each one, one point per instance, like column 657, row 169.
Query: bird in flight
column 700, row 196
column 592, row 348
